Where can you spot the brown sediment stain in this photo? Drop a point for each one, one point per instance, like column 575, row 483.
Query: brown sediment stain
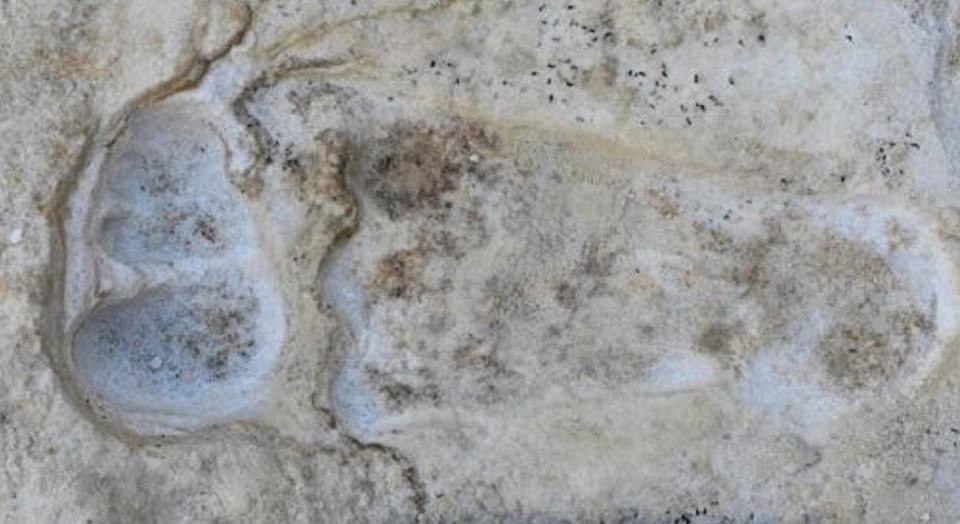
column 400, row 274
column 596, row 260
column 416, row 166
column 859, row 355
column 716, row 340
column 400, row 394
column 565, row 294
column 872, row 336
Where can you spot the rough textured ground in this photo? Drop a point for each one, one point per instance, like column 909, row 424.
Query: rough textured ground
column 647, row 261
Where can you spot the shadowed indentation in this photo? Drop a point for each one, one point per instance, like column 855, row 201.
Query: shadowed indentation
column 190, row 352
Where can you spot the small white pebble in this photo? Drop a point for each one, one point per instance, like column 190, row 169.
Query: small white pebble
column 155, row 363
column 474, row 159
column 15, row 236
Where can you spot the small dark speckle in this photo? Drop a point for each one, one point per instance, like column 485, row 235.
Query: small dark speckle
column 849, row 38
column 696, row 78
